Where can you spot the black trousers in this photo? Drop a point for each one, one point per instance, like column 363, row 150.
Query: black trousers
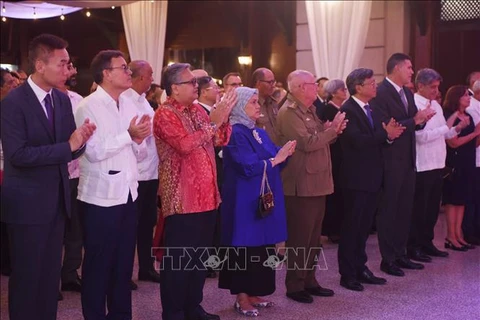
column 4, row 246
column 36, row 258
column 73, row 242
column 471, row 219
column 187, row 237
column 247, row 271
column 395, row 214
column 109, row 242
column 359, row 212
column 147, row 219
column 426, row 206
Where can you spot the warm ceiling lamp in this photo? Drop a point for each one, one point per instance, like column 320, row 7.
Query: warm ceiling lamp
column 245, row 60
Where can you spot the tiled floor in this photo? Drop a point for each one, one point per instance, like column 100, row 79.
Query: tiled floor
column 448, row 288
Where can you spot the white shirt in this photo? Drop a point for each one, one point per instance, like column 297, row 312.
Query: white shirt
column 361, row 104
column 474, row 111
column 148, row 167
column 430, row 141
column 395, row 85
column 205, row 106
column 108, row 168
column 40, row 94
column 74, row 166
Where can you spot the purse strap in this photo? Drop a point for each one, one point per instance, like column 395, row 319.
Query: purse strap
column 265, row 180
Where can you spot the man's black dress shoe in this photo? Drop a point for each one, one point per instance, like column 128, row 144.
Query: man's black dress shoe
column 391, row 268
column 133, row 285
column 75, row 286
column 150, row 275
column 320, row 292
column 406, row 263
column 434, row 252
column 351, row 284
column 201, row 314
column 300, row 296
column 418, row 255
column 368, row 277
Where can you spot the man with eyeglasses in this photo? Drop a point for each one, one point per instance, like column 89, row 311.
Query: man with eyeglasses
column 307, row 179
column 231, row 81
column 264, row 81
column 108, row 188
column 185, row 136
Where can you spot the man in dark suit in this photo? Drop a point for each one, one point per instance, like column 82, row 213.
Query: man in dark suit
column 39, row 139
column 321, row 100
column 361, row 173
column 394, row 100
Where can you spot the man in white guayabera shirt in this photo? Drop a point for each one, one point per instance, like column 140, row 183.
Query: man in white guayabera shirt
column 430, row 161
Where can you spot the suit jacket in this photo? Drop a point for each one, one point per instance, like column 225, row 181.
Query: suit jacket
column 320, row 108
column 36, row 174
column 309, row 170
column 362, row 163
column 401, row 154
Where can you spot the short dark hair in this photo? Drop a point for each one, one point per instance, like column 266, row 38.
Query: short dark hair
column 470, row 76
column 203, row 82
column 320, row 79
column 103, row 61
column 171, row 75
column 228, row 75
column 42, row 46
column 356, row 78
column 395, row 59
column 3, row 72
column 258, row 74
column 452, row 98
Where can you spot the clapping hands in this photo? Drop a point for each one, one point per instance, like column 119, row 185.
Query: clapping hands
column 221, row 110
column 393, row 128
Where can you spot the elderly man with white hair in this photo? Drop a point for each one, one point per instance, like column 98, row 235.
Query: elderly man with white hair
column 307, row 179
column 471, row 221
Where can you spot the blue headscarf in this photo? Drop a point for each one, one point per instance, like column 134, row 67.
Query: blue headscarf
column 238, row 114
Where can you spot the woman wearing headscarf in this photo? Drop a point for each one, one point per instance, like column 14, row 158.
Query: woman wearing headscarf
column 244, row 231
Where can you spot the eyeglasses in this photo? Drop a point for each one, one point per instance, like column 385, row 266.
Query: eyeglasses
column 270, row 82
column 373, row 83
column 124, row 67
column 234, row 84
column 192, row 81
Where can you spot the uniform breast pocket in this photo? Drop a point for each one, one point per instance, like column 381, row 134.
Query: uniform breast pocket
column 311, row 125
column 316, row 161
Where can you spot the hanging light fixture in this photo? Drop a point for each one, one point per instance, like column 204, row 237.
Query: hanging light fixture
column 113, row 7
column 62, row 17
column 88, row 14
column 34, row 14
column 4, row 19
column 3, row 7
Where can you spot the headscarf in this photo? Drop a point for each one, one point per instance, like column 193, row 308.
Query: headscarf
column 238, row 114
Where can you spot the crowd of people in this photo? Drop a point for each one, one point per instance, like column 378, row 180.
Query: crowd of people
column 244, row 175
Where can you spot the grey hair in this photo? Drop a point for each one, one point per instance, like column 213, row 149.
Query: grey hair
column 356, row 78
column 171, row 75
column 331, row 86
column 426, row 76
column 295, row 76
column 476, row 86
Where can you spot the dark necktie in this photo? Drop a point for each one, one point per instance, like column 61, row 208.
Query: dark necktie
column 369, row 114
column 404, row 99
column 49, row 107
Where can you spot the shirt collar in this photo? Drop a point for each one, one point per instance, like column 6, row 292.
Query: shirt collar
column 360, row 102
column 206, row 106
column 394, row 84
column 39, row 92
column 105, row 97
column 177, row 105
column 419, row 99
column 135, row 95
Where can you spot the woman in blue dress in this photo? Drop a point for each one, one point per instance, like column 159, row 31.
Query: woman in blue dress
column 249, row 271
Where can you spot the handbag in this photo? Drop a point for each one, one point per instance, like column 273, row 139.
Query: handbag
column 266, row 202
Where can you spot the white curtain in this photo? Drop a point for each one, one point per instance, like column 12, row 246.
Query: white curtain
column 338, row 31
column 145, row 26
